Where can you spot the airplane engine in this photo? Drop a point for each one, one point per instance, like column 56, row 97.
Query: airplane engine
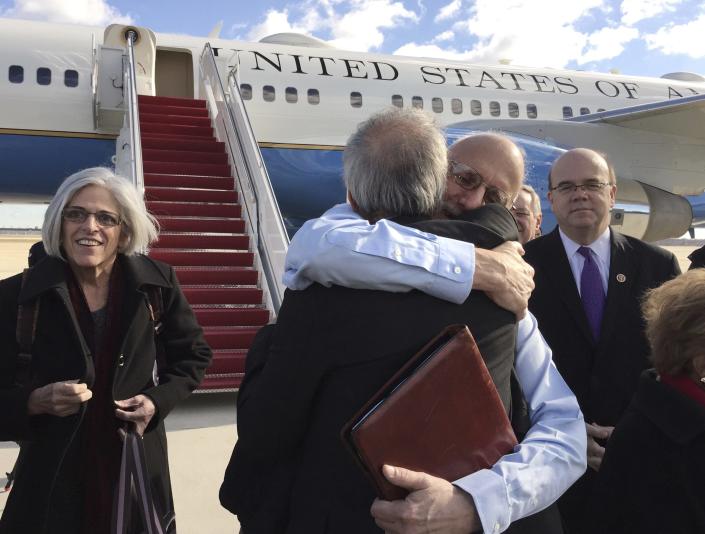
column 649, row 213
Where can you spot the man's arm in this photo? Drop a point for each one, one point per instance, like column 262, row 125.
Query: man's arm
column 342, row 248
column 552, row 455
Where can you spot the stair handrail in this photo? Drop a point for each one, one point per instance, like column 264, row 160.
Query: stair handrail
column 263, row 215
column 94, row 81
column 132, row 115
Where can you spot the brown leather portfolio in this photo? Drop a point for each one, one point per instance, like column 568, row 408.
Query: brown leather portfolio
column 440, row 414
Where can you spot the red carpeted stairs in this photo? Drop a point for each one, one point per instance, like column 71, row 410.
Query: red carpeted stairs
column 190, row 190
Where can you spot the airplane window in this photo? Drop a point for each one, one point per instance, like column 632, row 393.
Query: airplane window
column 417, row 102
column 71, row 78
column 246, row 91
column 476, row 107
column 567, row 112
column 398, row 101
column 437, row 105
column 585, row 111
column 531, row 111
column 16, row 74
column 313, row 96
column 600, row 110
column 494, row 108
column 513, row 109
column 43, row 76
column 356, row 99
column 268, row 93
column 456, row 106
column 291, row 95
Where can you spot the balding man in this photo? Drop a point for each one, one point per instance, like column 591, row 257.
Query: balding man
column 527, row 213
column 343, row 249
column 589, row 282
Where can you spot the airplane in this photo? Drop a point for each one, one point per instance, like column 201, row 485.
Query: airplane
column 304, row 98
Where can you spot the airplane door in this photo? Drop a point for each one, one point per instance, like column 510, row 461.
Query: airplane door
column 174, row 73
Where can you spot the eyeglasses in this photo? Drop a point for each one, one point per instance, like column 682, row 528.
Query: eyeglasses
column 590, row 187
column 469, row 179
column 79, row 215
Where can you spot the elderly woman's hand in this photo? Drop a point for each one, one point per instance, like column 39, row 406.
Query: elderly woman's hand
column 58, row 398
column 138, row 409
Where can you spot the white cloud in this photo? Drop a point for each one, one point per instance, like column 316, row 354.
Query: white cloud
column 634, row 11
column 445, row 36
column 525, row 32
column 448, row 11
column 680, row 39
column 351, row 25
column 91, row 12
column 607, row 43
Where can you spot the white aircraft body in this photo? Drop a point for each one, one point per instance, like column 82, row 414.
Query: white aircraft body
column 304, row 98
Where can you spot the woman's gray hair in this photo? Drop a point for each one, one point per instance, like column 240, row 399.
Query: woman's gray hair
column 396, row 164
column 138, row 225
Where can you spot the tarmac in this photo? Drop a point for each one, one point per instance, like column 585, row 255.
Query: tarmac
column 201, row 431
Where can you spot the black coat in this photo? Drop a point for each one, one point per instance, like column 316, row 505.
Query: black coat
column 37, row 503
column 331, row 349
column 697, row 258
column 651, row 479
column 602, row 375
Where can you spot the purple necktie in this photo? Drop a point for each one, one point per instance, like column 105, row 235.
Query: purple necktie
column 591, row 292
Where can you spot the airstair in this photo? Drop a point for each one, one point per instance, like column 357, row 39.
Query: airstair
column 204, row 180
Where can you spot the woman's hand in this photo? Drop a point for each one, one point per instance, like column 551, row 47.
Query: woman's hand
column 138, row 409
column 58, row 398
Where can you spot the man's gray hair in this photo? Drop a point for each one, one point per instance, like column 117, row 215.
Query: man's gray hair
column 138, row 225
column 535, row 200
column 396, row 164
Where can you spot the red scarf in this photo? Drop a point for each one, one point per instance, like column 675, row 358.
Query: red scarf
column 685, row 385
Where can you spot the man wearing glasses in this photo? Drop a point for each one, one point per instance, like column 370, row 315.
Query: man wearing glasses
column 589, row 283
column 527, row 213
column 343, row 249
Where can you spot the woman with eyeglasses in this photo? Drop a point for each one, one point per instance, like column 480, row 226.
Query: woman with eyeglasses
column 94, row 367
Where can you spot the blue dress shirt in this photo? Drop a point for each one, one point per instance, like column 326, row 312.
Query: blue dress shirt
column 342, row 248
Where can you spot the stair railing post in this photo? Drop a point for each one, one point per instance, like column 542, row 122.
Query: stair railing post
column 131, row 102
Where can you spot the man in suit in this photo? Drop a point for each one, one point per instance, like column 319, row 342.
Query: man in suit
column 527, row 213
column 589, row 282
column 348, row 341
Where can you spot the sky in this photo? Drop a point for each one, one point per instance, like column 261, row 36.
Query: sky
column 636, row 37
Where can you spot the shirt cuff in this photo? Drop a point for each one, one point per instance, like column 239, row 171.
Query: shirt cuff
column 456, row 267
column 489, row 493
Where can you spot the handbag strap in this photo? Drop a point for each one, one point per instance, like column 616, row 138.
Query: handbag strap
column 134, row 482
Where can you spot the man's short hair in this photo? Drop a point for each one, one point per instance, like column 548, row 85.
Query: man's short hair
column 396, row 164
column 535, row 200
column 674, row 322
column 611, row 176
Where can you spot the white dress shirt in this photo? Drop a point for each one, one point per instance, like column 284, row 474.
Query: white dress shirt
column 601, row 251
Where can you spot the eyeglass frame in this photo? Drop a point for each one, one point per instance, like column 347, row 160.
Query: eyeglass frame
column 587, row 187
column 95, row 214
column 502, row 197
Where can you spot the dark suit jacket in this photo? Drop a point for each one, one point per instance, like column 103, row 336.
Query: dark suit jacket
column 651, row 479
column 603, row 375
column 331, row 349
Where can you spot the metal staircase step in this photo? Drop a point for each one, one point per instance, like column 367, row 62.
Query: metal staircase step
column 158, row 207
column 201, row 240
column 220, row 384
column 155, row 109
column 152, row 154
column 152, row 141
column 223, row 183
column 179, row 130
column 171, row 101
column 211, row 316
column 201, row 224
column 180, row 120
column 224, row 337
column 203, row 169
column 198, row 258
column 183, row 194
column 227, row 362
column 222, row 295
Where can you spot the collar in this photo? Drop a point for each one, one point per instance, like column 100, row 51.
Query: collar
column 50, row 273
column 600, row 247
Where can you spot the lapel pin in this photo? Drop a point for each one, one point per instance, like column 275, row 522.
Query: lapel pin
column 621, row 278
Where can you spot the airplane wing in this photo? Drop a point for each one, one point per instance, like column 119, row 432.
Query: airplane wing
column 682, row 117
